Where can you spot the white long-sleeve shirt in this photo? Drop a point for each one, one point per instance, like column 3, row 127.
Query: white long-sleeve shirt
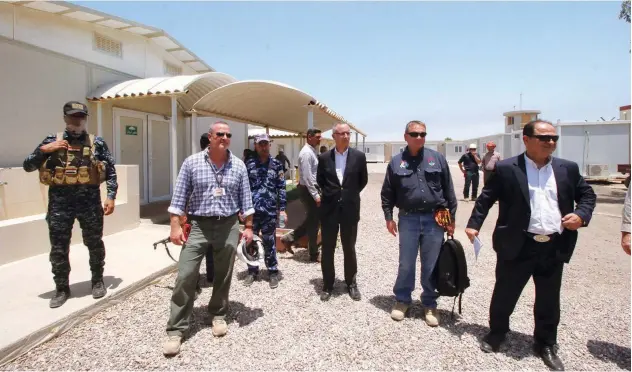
column 307, row 168
column 546, row 217
column 625, row 218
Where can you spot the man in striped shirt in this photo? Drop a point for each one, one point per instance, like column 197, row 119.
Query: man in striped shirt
column 213, row 185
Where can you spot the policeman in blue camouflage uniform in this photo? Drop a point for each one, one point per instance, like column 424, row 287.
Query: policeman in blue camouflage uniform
column 267, row 183
column 73, row 164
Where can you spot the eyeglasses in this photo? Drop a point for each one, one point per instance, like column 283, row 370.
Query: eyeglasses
column 546, row 138
column 417, row 134
column 222, row 134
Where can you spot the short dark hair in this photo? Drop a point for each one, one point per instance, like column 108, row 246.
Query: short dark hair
column 313, row 131
column 529, row 128
column 204, row 141
column 414, row 122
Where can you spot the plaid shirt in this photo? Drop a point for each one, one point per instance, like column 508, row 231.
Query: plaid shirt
column 197, row 180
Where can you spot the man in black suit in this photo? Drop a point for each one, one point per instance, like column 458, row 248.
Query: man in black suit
column 542, row 202
column 341, row 175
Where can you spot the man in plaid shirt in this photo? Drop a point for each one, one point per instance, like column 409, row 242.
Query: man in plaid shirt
column 213, row 186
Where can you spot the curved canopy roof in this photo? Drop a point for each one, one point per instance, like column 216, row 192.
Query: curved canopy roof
column 190, row 88
column 268, row 103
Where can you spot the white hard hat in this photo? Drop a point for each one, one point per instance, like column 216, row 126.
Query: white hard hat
column 472, row 145
column 251, row 254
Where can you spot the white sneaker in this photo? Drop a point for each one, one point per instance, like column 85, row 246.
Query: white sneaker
column 432, row 317
column 399, row 311
column 171, row 347
column 219, row 327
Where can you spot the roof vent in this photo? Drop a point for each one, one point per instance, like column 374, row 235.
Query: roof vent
column 172, row 70
column 108, row 45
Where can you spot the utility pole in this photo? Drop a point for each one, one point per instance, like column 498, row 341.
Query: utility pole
column 520, row 107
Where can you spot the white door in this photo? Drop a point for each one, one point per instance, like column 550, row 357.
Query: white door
column 159, row 156
column 131, row 145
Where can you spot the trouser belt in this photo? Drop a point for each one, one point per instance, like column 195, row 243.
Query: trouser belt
column 215, row 218
column 541, row 238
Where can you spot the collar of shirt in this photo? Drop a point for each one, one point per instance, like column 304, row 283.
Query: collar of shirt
column 344, row 154
column 229, row 159
column 534, row 165
column 258, row 161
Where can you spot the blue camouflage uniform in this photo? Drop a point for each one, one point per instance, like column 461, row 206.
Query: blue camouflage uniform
column 267, row 183
column 83, row 202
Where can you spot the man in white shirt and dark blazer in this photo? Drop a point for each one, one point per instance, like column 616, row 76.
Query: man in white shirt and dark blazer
column 543, row 201
column 342, row 175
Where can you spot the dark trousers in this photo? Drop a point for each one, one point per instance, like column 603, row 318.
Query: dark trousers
column 65, row 204
column 210, row 272
column 330, row 225
column 266, row 225
column 310, row 224
column 537, row 260
column 471, row 177
column 486, row 176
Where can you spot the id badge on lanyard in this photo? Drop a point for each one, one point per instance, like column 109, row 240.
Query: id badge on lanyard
column 219, row 190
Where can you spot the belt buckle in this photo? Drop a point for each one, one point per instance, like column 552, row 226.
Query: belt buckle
column 541, row 238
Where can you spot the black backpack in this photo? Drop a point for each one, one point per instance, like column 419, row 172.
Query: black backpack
column 450, row 272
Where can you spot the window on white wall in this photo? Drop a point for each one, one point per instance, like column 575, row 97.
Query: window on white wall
column 367, row 150
column 401, row 149
column 172, row 70
column 458, row 148
column 107, row 45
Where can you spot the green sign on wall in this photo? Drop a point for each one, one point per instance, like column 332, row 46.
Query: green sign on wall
column 131, row 130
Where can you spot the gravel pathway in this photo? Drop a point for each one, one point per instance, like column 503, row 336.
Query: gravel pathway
column 290, row 329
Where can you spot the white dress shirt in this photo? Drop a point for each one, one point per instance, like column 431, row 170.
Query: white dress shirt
column 546, row 217
column 341, row 163
column 307, row 168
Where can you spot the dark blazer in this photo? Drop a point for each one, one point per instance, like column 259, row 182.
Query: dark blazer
column 509, row 186
column 346, row 195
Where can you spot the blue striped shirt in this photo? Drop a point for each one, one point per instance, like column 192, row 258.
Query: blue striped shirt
column 199, row 177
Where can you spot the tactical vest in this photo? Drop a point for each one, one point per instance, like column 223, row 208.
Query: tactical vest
column 72, row 166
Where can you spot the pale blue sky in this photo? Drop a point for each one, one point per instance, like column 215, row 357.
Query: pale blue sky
column 455, row 65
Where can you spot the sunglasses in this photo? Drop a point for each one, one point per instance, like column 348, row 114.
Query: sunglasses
column 222, row 134
column 546, row 138
column 417, row 134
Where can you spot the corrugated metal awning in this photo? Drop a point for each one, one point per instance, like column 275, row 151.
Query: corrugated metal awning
column 268, row 103
column 189, row 88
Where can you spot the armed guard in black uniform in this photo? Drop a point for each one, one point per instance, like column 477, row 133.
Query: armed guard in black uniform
column 73, row 164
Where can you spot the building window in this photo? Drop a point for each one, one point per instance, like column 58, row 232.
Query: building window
column 510, row 120
column 107, row 45
column 367, row 150
column 172, row 70
column 401, row 149
column 458, row 149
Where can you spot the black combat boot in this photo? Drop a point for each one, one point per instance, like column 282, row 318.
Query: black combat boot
column 98, row 289
column 61, row 295
column 274, row 280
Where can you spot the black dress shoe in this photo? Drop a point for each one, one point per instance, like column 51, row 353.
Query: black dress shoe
column 325, row 296
column 549, row 355
column 354, row 293
column 491, row 343
column 61, row 295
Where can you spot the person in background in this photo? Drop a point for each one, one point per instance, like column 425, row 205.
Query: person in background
column 213, row 187
column 282, row 158
column 535, row 234
column 75, row 164
column 625, row 224
column 489, row 161
column 323, row 149
column 267, row 183
column 417, row 182
column 310, row 196
column 468, row 163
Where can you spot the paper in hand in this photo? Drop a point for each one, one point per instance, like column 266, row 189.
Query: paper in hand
column 477, row 246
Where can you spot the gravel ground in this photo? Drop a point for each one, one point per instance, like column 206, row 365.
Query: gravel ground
column 290, row 329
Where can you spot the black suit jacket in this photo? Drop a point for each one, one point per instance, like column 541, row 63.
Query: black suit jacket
column 509, row 186
column 347, row 194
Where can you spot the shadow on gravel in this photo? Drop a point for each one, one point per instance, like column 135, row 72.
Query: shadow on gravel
column 82, row 289
column 340, row 287
column 517, row 345
column 610, row 353
column 237, row 313
column 300, row 255
column 263, row 275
